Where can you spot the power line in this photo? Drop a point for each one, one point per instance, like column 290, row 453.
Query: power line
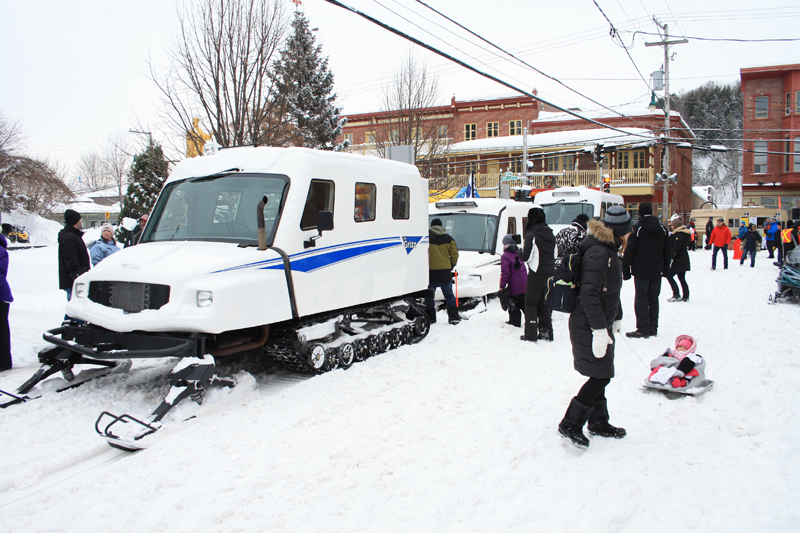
column 727, row 40
column 614, row 32
column 466, row 65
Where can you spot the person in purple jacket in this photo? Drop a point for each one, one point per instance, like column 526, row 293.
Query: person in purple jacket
column 5, row 302
column 514, row 276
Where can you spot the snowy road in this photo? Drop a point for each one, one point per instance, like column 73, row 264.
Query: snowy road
column 457, row 433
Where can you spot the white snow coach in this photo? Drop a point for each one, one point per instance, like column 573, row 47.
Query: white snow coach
column 562, row 205
column 478, row 226
column 317, row 259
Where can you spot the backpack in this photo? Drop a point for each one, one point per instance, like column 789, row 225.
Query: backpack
column 561, row 292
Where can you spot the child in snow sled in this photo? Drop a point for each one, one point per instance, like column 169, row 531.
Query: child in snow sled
column 680, row 369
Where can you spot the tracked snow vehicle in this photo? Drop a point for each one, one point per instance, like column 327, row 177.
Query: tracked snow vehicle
column 317, row 259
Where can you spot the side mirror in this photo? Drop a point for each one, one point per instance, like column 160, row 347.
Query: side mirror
column 324, row 223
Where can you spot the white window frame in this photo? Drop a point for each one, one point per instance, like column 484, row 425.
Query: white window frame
column 759, row 154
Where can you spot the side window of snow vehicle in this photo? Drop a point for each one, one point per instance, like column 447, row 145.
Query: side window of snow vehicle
column 400, row 202
column 364, row 209
column 227, row 206
column 512, row 226
column 320, row 198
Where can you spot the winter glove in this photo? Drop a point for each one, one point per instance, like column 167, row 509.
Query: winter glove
column 600, row 342
column 616, row 327
column 626, row 276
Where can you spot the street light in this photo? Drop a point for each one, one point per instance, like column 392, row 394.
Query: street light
column 653, row 102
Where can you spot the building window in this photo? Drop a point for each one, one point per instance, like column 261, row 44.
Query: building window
column 369, row 137
column 470, row 132
column 471, row 167
column 762, row 107
column 760, row 157
column 493, row 129
column 789, row 103
column 348, row 137
column 559, row 163
column 797, row 102
column 364, row 208
column 394, row 136
column 441, row 131
column 631, row 159
column 515, row 127
column 515, row 166
column 797, row 154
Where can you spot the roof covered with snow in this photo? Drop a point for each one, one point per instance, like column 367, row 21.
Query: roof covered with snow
column 574, row 138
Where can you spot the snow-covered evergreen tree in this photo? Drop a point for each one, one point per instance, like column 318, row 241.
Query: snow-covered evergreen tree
column 147, row 176
column 305, row 84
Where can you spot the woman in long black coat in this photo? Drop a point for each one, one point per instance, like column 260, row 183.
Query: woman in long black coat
column 539, row 253
column 679, row 263
column 592, row 325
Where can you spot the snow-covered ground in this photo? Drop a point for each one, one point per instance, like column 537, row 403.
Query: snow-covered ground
column 456, row 433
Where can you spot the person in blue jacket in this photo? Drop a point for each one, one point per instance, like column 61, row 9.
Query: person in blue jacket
column 771, row 230
column 742, row 230
column 104, row 246
column 5, row 302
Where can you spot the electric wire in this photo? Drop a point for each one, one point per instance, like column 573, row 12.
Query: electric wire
column 464, row 64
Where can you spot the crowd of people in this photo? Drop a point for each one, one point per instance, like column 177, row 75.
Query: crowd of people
column 612, row 250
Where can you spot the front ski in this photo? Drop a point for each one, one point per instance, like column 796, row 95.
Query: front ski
column 60, row 384
column 191, row 377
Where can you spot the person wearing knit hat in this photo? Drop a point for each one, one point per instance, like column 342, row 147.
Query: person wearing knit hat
column 539, row 252
column 73, row 258
column 679, row 263
column 592, row 325
column 104, row 246
column 513, row 280
column 568, row 239
column 442, row 258
column 646, row 258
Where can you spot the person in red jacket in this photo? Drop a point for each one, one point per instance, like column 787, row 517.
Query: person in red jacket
column 720, row 238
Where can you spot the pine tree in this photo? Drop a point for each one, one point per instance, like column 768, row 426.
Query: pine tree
column 305, row 85
column 148, row 173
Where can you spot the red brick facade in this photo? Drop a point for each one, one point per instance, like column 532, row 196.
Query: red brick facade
column 771, row 118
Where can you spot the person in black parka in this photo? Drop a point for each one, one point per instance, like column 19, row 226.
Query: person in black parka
column 679, row 263
column 647, row 259
column 540, row 254
column 592, row 325
column 73, row 256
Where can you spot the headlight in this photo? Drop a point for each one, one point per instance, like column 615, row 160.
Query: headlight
column 205, row 298
column 80, row 290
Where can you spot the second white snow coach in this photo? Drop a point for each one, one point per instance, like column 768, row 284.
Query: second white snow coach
column 562, row 205
column 478, row 226
column 317, row 259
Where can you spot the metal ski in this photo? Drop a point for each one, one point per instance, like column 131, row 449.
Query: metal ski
column 52, row 366
column 191, row 377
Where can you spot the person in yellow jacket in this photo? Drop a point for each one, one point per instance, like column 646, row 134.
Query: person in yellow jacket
column 785, row 242
column 442, row 258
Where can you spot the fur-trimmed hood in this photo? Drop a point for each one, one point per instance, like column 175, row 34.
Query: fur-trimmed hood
column 682, row 229
column 601, row 232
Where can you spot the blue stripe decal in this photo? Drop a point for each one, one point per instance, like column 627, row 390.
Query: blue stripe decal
column 315, row 262
column 309, row 261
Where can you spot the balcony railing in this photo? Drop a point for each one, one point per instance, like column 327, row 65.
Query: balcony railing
column 587, row 178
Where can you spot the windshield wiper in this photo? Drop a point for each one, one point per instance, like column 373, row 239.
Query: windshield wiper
column 212, row 177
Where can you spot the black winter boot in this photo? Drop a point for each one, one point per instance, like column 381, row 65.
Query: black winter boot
column 571, row 427
column 431, row 314
column 452, row 315
column 598, row 422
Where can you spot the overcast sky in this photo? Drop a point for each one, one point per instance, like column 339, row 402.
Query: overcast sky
column 74, row 73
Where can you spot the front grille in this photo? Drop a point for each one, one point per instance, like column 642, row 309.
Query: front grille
column 128, row 296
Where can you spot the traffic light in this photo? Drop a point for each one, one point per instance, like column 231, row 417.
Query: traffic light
column 598, row 152
column 606, row 183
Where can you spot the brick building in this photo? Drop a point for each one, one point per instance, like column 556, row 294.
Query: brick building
column 484, row 138
column 771, row 163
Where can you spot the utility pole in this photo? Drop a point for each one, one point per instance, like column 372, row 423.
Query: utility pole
column 525, row 153
column 145, row 133
column 666, row 168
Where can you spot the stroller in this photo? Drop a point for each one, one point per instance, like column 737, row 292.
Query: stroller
column 788, row 279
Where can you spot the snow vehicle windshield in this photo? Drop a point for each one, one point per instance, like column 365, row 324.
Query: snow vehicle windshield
column 218, row 208
column 472, row 232
column 564, row 213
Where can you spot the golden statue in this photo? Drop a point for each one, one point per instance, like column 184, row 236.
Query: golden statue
column 195, row 139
